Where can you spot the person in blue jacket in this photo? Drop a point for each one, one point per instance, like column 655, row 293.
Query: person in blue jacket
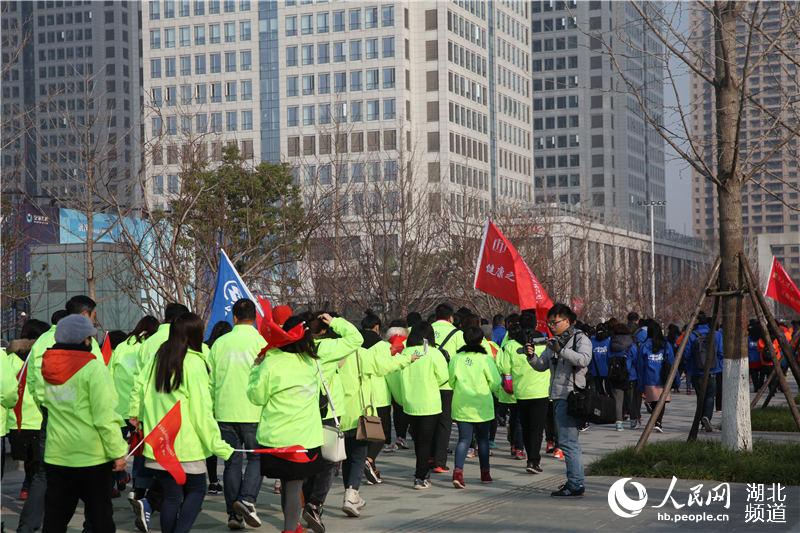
column 601, row 342
column 622, row 375
column 641, row 333
column 655, row 361
column 697, row 349
column 498, row 329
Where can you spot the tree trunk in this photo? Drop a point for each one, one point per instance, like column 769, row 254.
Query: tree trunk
column 736, row 430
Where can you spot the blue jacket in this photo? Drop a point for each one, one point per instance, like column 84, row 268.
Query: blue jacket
column 599, row 365
column 625, row 346
column 650, row 364
column 640, row 336
column 753, row 355
column 498, row 334
column 695, row 368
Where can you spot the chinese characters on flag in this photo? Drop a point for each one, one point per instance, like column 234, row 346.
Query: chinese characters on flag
column 502, row 272
column 781, row 288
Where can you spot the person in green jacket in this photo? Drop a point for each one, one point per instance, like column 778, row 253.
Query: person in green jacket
column 422, row 402
column 9, row 394
column 222, row 327
column 449, row 340
column 373, row 359
column 84, row 444
column 381, row 396
column 335, row 339
column 285, row 382
column 178, row 373
column 505, row 396
column 531, row 388
column 474, row 378
column 230, row 360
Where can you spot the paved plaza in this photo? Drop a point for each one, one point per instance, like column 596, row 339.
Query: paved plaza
column 516, row 501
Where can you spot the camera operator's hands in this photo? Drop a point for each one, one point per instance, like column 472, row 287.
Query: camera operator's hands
column 529, row 351
column 555, row 345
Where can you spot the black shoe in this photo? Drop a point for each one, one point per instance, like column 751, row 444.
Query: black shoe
column 583, row 427
column 706, row 424
column 371, row 473
column 566, row 492
column 312, row 514
column 533, row 469
column 215, row 488
column 235, row 522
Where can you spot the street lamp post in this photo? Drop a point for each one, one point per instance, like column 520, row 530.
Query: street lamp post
column 652, row 204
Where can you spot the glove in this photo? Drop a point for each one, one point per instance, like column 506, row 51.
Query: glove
column 508, row 383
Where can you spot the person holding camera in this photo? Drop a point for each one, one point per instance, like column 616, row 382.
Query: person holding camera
column 567, row 357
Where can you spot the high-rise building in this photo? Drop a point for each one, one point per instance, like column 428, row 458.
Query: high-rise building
column 70, row 98
column 770, row 221
column 592, row 147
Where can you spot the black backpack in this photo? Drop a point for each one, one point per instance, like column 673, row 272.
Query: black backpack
column 618, row 371
column 700, row 350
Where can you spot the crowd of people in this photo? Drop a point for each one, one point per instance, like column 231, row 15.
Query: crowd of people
column 314, row 380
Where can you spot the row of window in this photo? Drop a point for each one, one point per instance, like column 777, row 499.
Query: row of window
column 466, row 29
column 464, row 57
column 558, row 83
column 369, row 80
column 173, row 184
column 559, row 102
column 201, row 93
column 554, row 63
column 513, row 134
column 466, row 175
column 202, row 123
column 558, row 5
column 183, row 8
column 561, row 161
column 466, row 116
column 467, row 88
column 339, row 143
column 341, row 112
column 512, row 26
column 368, row 171
column 556, row 24
column 197, row 151
column 78, row 17
column 324, row 19
column 462, row 145
column 514, row 162
column 182, row 65
column 551, row 123
column 513, row 54
column 553, row 141
column 182, row 36
column 513, row 81
column 371, row 50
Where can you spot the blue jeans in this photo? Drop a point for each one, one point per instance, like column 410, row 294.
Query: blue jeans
column 465, row 431
column 711, row 391
column 181, row 504
column 569, row 444
column 353, row 466
column 235, row 485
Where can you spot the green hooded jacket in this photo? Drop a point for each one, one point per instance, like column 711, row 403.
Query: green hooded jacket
column 420, row 382
column 331, row 352
column 230, row 361
column 474, row 378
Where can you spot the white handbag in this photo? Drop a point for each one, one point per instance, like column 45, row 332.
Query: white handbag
column 332, row 436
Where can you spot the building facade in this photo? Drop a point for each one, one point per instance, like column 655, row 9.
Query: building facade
column 593, row 148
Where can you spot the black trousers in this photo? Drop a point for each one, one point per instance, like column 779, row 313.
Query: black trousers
column 384, row 413
column 423, row 428
column 533, row 417
column 65, row 486
column 400, row 420
column 444, row 425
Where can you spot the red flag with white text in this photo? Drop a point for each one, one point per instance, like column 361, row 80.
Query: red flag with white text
column 502, row 272
column 781, row 288
column 162, row 440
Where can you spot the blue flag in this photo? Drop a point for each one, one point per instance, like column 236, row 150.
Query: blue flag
column 228, row 290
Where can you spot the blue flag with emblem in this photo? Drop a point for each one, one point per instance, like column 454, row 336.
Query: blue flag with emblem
column 228, row 290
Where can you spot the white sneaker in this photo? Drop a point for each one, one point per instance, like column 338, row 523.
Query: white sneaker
column 618, row 425
column 247, row 511
column 352, row 503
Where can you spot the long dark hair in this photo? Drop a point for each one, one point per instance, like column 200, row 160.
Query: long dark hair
column 419, row 333
column 473, row 338
column 146, row 326
column 306, row 345
column 524, row 328
column 656, row 335
column 185, row 333
column 220, row 328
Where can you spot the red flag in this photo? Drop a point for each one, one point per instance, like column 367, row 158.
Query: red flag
column 295, row 454
column 22, row 377
column 781, row 288
column 274, row 334
column 106, row 349
column 162, row 440
column 502, row 272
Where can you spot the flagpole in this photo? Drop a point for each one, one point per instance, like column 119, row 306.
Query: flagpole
column 130, row 453
column 480, row 253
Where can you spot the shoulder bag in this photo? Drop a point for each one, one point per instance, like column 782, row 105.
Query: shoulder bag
column 370, row 428
column 332, row 436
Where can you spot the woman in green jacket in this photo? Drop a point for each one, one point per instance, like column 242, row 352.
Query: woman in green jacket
column 178, row 373
column 422, row 402
column 474, row 378
column 285, row 382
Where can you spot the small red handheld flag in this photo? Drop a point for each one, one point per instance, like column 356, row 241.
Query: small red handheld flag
column 106, row 349
column 781, row 288
column 295, row 454
column 162, row 440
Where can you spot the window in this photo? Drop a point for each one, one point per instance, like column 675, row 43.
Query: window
column 156, row 126
column 170, row 96
column 431, row 50
column 373, row 109
column 172, row 125
column 355, row 19
column 230, row 120
column 158, row 183
column 308, row 84
column 370, row 17
column 292, row 115
column 322, row 22
column 341, row 111
column 308, row 115
column 308, row 54
column 389, row 109
column 355, row 50
column 247, row 120
column 216, row 92
column 169, row 67
column 216, row 63
column 169, row 37
column 230, row 6
column 291, row 86
column 387, row 16
column 230, row 91
column 155, row 39
column 173, row 185
column 388, row 47
column 186, row 65
column 244, row 30
column 291, row 56
column 323, row 53
column 216, row 122
column 338, row 21
column 390, row 170
column 340, row 82
column 213, row 7
column 324, row 86
column 230, row 61
column 338, row 52
column 325, row 113
column 247, row 90
column 230, row 32
column 431, row 22
column 307, row 24
column 155, row 10
column 246, row 60
column 372, row 79
column 433, row 141
column 355, row 80
column 169, row 9
column 156, row 97
column 199, row 8
column 290, row 23
column 371, row 49
column 200, row 93
column 388, row 78
column 200, row 34
column 185, row 36
column 356, row 111
column 215, row 34
column 293, row 146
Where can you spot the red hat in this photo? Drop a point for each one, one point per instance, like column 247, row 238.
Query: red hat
column 281, row 313
column 273, row 332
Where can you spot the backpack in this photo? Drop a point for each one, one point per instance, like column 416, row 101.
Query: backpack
column 618, row 372
column 700, row 350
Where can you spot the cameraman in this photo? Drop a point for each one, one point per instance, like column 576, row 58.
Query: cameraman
column 568, row 354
